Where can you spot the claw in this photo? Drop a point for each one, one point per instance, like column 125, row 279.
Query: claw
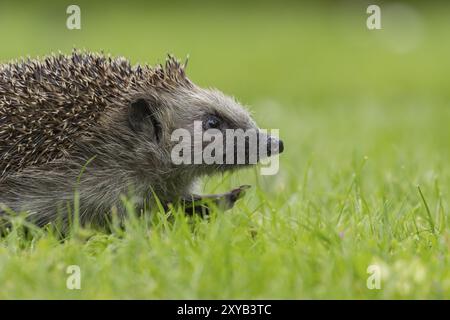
column 201, row 203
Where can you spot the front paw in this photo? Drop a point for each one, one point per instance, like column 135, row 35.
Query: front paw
column 202, row 204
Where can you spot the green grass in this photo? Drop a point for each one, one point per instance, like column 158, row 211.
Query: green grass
column 364, row 126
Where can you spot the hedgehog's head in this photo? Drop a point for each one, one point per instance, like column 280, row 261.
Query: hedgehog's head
column 201, row 130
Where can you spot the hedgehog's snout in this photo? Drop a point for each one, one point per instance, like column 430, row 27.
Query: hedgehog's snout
column 266, row 146
column 274, row 146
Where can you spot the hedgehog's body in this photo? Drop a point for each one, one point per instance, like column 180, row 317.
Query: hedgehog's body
column 96, row 125
column 46, row 106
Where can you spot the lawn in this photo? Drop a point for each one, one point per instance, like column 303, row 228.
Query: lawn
column 364, row 179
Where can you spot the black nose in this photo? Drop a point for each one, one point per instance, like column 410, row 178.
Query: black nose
column 275, row 145
column 280, row 146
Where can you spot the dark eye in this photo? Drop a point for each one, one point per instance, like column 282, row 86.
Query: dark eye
column 212, row 122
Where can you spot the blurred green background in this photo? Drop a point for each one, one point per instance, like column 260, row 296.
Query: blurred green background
column 288, row 60
column 364, row 115
column 295, row 52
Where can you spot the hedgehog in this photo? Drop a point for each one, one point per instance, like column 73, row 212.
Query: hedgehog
column 91, row 128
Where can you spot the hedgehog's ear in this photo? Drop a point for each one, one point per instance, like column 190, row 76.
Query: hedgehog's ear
column 142, row 116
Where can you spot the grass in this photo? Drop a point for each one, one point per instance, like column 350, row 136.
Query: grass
column 364, row 179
